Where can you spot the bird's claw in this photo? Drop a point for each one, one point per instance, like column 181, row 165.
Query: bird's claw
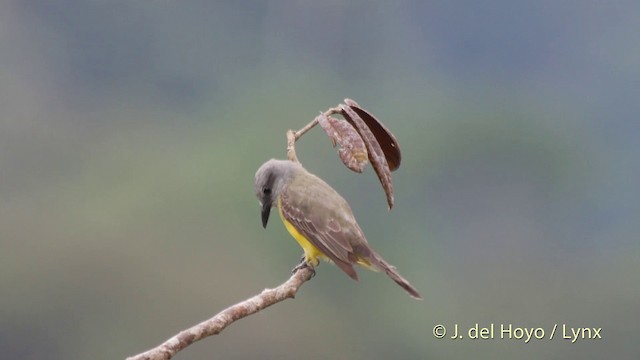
column 303, row 264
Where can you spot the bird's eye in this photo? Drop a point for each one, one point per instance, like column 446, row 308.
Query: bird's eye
column 266, row 191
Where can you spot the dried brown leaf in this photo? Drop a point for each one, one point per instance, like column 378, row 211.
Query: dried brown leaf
column 351, row 148
column 387, row 141
column 376, row 155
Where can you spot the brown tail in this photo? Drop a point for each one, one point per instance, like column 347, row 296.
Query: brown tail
column 390, row 270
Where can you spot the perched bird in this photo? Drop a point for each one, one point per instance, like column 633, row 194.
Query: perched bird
column 319, row 219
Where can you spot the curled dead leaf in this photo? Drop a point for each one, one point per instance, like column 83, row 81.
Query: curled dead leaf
column 385, row 138
column 351, row 148
column 376, row 154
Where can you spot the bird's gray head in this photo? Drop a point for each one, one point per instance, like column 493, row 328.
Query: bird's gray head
column 270, row 180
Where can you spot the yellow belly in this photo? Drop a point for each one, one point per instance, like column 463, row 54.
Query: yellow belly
column 311, row 252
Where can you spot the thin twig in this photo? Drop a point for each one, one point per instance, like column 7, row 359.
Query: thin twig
column 291, row 150
column 226, row 317
column 293, row 136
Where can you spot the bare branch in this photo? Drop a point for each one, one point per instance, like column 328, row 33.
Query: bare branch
column 226, row 317
column 291, row 149
column 293, row 136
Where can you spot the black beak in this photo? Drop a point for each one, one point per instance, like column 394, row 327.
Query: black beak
column 266, row 210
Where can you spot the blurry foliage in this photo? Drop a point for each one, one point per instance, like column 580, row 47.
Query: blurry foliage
column 130, row 133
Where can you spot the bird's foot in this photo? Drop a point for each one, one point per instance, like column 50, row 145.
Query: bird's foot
column 304, row 264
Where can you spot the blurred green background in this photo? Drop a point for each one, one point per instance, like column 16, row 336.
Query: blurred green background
column 130, row 132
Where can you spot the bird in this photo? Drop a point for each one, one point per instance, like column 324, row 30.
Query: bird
column 319, row 219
